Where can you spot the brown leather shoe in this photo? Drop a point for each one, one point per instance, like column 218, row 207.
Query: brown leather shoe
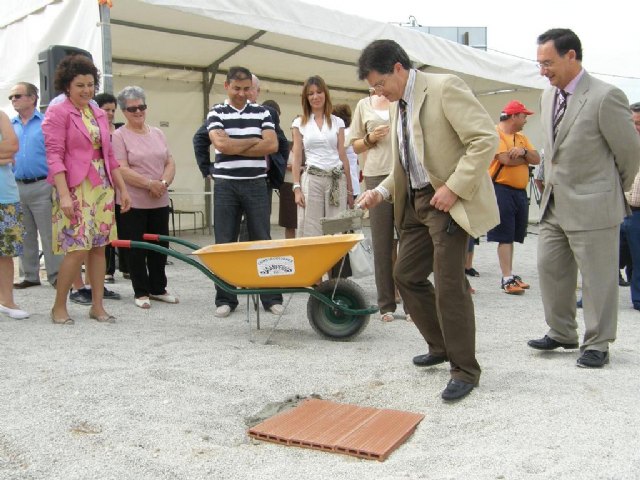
column 25, row 284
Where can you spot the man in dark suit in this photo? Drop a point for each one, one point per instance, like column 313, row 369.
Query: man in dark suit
column 592, row 154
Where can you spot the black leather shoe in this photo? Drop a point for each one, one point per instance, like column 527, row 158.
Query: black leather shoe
column 456, row 389
column 25, row 284
column 428, row 360
column 548, row 343
column 593, row 359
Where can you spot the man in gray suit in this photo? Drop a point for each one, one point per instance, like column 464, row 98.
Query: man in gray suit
column 592, row 155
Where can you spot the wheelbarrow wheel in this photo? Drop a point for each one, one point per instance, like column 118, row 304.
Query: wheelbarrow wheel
column 331, row 322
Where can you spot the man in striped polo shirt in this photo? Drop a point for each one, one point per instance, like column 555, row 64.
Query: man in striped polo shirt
column 243, row 135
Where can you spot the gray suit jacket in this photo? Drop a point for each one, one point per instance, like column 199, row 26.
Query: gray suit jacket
column 594, row 158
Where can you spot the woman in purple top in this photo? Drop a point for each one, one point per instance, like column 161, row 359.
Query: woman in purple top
column 148, row 170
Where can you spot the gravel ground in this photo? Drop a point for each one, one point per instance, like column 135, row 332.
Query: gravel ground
column 168, row 393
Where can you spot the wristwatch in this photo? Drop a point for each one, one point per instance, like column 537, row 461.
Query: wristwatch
column 295, row 186
column 164, row 182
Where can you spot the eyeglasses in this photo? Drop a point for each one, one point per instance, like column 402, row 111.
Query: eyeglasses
column 544, row 65
column 142, row 108
column 635, row 107
column 18, row 96
column 380, row 85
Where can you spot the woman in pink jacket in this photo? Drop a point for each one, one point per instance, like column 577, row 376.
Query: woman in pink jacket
column 83, row 170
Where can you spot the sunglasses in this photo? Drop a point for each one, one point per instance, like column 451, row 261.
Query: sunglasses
column 142, row 108
column 17, row 96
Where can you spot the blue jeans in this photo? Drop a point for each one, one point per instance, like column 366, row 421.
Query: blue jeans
column 631, row 228
column 231, row 199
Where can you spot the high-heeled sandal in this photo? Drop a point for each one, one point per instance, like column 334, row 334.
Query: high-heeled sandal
column 106, row 318
column 64, row 321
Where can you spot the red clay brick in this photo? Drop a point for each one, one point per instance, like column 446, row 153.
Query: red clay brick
column 363, row 432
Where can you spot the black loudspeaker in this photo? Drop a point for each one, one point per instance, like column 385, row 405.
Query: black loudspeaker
column 48, row 60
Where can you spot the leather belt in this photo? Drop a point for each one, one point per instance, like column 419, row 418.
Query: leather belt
column 428, row 188
column 26, row 181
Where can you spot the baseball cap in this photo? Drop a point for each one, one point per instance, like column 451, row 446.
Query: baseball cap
column 514, row 107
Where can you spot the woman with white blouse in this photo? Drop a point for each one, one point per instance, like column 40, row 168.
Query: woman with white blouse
column 325, row 188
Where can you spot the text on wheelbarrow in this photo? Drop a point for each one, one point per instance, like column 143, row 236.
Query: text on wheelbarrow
column 276, row 266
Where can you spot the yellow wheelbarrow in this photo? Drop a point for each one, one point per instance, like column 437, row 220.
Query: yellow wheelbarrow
column 337, row 309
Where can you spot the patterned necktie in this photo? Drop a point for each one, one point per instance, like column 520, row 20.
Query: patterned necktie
column 405, row 142
column 561, row 101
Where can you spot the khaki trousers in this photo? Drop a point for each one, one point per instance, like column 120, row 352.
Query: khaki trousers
column 316, row 196
column 443, row 314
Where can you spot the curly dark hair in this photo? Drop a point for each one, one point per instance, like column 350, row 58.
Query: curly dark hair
column 70, row 67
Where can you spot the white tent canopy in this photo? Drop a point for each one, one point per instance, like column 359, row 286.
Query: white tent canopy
column 179, row 52
column 288, row 40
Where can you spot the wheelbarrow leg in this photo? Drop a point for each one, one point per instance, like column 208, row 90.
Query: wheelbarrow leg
column 256, row 306
column 253, row 301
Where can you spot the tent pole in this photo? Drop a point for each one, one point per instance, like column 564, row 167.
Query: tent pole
column 107, row 68
column 207, row 85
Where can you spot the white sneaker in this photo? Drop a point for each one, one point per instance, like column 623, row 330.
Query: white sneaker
column 14, row 313
column 223, row 311
column 276, row 309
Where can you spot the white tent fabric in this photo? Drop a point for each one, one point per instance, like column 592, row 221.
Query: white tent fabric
column 298, row 39
column 34, row 26
column 171, row 48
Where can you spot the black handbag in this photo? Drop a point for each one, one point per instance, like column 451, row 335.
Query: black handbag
column 277, row 170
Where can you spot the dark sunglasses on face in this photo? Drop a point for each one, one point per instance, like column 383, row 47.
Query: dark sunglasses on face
column 142, row 108
column 17, row 96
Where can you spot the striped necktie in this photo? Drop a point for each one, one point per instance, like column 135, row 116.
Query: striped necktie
column 561, row 102
column 405, row 142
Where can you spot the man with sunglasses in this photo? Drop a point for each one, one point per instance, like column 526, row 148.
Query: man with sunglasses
column 35, row 193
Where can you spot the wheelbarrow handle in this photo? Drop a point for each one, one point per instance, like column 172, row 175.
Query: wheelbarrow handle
column 154, row 237
column 121, row 243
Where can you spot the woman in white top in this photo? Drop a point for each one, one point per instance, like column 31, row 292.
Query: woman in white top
column 370, row 133
column 324, row 189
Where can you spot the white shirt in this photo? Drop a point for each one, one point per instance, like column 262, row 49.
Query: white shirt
column 320, row 146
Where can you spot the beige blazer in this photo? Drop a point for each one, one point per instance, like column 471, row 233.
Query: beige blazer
column 594, row 158
column 455, row 140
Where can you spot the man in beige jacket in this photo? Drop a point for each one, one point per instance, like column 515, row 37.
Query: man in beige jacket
column 442, row 142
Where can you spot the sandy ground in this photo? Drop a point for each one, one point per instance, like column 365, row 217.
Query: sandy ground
column 167, row 393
